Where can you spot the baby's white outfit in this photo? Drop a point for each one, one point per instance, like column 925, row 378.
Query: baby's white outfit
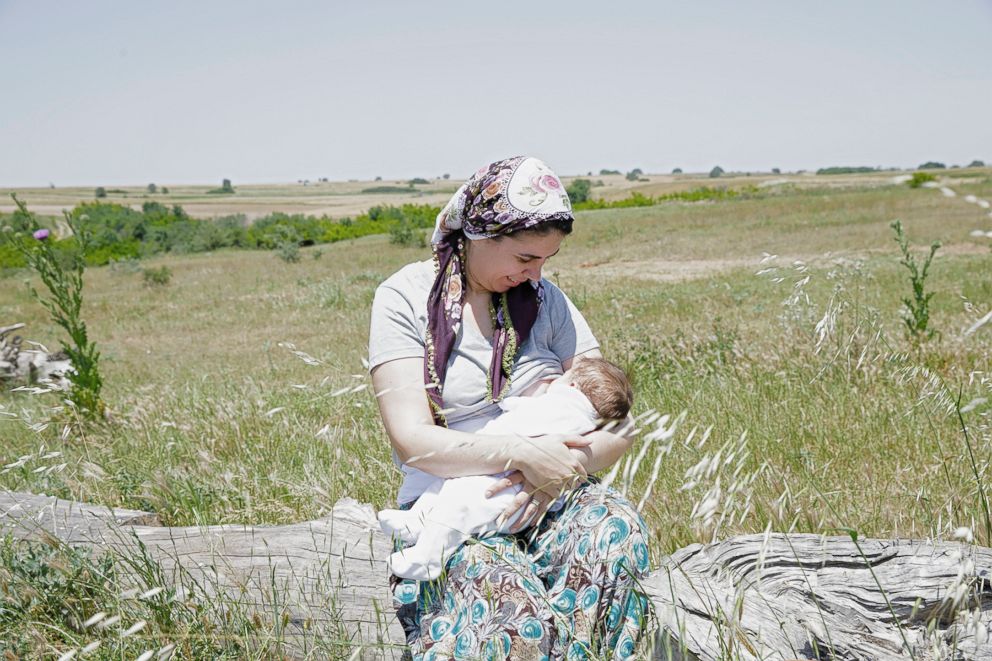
column 452, row 510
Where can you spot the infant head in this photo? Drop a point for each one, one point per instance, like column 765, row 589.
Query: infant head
column 604, row 384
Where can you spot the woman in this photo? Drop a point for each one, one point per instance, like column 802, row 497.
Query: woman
column 476, row 325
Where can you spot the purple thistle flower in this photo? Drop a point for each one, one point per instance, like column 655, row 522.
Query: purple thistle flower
column 41, row 235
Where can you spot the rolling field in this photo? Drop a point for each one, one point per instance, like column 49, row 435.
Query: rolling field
column 768, row 329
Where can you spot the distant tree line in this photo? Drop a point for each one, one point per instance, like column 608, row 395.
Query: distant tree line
column 120, row 232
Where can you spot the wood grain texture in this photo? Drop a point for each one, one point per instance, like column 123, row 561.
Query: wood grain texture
column 774, row 597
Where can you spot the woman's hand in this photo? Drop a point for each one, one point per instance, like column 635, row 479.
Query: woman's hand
column 548, row 466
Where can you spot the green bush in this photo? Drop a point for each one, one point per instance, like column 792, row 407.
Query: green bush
column 846, row 170
column 288, row 251
column 605, row 172
column 387, row 189
column 120, row 233
column 932, row 165
column 920, row 178
column 417, row 180
column 405, row 233
column 578, row 190
column 157, row 277
column 225, row 188
column 100, row 192
column 716, row 172
column 635, row 174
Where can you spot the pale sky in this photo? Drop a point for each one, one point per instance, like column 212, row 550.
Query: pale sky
column 131, row 92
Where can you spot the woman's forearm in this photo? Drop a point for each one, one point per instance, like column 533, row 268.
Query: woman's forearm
column 605, row 450
column 449, row 453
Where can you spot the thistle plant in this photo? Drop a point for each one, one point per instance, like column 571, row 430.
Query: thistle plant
column 917, row 308
column 62, row 274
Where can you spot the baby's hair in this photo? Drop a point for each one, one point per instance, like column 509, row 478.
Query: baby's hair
column 606, row 386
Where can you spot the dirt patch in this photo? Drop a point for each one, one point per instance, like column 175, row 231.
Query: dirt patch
column 681, row 270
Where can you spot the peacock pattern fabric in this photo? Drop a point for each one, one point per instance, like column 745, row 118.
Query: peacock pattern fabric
column 570, row 590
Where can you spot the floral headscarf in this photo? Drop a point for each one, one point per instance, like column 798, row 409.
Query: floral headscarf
column 501, row 198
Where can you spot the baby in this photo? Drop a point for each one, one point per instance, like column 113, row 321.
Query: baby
column 452, row 510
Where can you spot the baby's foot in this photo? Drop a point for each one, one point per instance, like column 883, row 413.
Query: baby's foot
column 411, row 563
column 400, row 524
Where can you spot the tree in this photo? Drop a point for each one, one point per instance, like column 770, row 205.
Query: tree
column 152, row 188
column 578, row 190
column 776, row 171
column 226, row 186
column 932, row 165
column 100, row 192
column 976, row 164
column 446, row 176
column 634, row 174
column 716, row 172
column 677, row 171
column 165, row 190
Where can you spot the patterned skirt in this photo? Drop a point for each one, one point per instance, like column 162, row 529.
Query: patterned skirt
column 568, row 590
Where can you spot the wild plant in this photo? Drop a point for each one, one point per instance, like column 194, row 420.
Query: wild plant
column 156, row 277
column 917, row 309
column 62, row 274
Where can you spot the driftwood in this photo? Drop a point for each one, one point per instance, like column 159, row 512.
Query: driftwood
column 30, row 365
column 751, row 597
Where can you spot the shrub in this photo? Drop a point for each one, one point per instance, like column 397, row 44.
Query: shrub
column 605, row 172
column 387, row 189
column 152, row 188
column 578, row 191
column 917, row 309
column 157, row 277
column 776, row 171
column 406, row 233
column 677, row 171
column 932, row 165
column 165, row 190
column 716, row 172
column 417, row 180
column 100, row 192
column 635, row 174
column 976, row 164
column 846, row 170
column 920, row 178
column 225, row 188
column 289, row 252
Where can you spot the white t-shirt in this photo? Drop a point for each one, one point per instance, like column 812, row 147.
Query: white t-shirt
column 398, row 328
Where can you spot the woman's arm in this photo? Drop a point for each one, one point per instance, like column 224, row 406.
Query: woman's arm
column 444, row 452
column 602, row 450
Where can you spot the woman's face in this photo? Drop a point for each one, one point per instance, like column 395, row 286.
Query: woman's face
column 496, row 265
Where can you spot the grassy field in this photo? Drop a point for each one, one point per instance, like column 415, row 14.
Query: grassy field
column 769, row 327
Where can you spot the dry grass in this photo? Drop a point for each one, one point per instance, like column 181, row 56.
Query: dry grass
column 802, row 373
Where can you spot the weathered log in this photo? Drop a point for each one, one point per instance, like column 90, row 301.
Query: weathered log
column 771, row 596
column 330, row 571
column 31, row 365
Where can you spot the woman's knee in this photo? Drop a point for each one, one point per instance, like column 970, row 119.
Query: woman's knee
column 612, row 531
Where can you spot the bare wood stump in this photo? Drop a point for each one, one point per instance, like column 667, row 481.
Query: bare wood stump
column 771, row 597
column 30, row 365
